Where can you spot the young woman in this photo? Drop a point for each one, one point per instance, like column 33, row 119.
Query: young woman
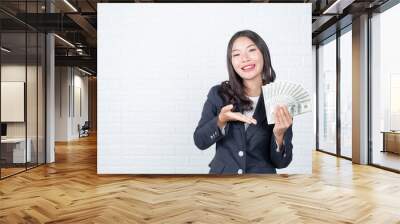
column 234, row 115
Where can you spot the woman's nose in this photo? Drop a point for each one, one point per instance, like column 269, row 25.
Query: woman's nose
column 244, row 57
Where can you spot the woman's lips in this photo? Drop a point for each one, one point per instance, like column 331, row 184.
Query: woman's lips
column 248, row 68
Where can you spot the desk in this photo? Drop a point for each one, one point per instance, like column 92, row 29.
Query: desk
column 15, row 148
column 391, row 141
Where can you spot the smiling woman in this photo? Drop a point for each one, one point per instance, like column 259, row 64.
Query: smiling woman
column 175, row 68
column 234, row 115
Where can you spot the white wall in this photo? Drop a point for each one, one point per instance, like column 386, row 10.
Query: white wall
column 67, row 81
column 155, row 69
column 61, row 103
column 80, row 83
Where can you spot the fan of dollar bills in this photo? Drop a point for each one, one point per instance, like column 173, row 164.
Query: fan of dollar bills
column 293, row 95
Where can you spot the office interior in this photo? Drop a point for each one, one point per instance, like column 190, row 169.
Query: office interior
column 335, row 73
column 48, row 82
column 33, row 63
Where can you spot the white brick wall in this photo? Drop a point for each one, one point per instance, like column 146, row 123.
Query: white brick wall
column 156, row 64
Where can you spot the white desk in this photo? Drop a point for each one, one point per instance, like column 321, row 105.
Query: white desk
column 18, row 149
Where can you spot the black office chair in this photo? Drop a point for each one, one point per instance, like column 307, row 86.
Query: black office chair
column 84, row 130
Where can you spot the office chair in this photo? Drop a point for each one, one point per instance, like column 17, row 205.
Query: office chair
column 84, row 130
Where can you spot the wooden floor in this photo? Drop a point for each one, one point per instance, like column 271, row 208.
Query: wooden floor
column 70, row 191
column 5, row 172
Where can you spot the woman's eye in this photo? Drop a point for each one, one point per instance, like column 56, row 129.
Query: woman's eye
column 235, row 55
column 252, row 49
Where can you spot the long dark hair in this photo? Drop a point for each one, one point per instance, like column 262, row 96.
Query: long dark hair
column 232, row 91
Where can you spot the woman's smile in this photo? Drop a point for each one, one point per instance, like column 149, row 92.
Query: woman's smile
column 249, row 68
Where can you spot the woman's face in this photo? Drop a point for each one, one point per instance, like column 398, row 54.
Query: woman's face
column 247, row 59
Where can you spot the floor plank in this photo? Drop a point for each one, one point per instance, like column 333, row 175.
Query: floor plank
column 70, row 191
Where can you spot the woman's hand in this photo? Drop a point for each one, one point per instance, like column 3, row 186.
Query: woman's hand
column 227, row 115
column 283, row 120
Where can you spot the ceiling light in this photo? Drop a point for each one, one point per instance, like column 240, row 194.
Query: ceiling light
column 70, row 5
column 65, row 41
column 5, row 50
column 84, row 71
column 338, row 6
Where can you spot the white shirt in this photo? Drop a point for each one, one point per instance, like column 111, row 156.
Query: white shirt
column 251, row 112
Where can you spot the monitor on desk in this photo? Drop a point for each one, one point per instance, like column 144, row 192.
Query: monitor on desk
column 3, row 130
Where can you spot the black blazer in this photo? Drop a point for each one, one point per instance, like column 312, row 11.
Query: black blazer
column 253, row 150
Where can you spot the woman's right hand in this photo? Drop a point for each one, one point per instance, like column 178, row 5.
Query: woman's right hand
column 227, row 115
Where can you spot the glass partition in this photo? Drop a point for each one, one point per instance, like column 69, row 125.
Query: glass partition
column 22, row 77
column 13, row 94
column 32, row 95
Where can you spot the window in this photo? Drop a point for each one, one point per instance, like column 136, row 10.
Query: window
column 385, row 89
column 346, row 94
column 327, row 96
